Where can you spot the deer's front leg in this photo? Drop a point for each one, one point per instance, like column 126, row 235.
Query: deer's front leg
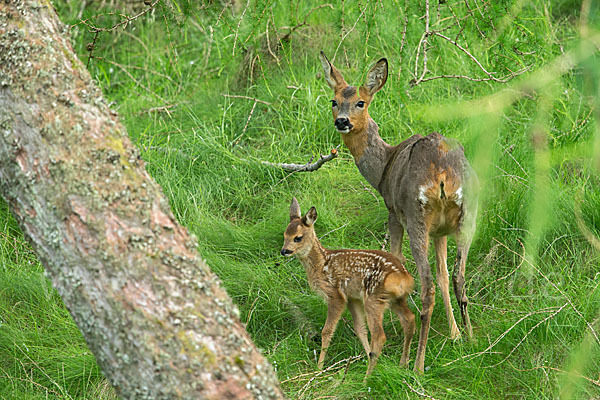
column 396, row 234
column 335, row 308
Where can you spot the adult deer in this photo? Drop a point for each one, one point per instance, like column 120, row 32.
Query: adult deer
column 367, row 281
column 428, row 187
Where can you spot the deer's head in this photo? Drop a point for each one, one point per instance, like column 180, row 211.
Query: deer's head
column 299, row 236
column 350, row 104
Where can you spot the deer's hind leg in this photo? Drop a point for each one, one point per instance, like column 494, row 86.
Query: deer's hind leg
column 419, row 243
column 396, row 235
column 441, row 246
column 458, row 280
column 464, row 236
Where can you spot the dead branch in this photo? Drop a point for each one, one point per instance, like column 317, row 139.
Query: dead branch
column 591, row 328
column 234, row 96
column 334, row 367
column 166, row 108
column 308, row 167
column 122, row 67
column 505, row 276
column 422, row 43
column 238, row 27
column 499, row 338
column 546, row 367
column 350, row 31
column 403, row 37
column 303, row 23
column 125, row 20
column 420, row 393
column 526, row 335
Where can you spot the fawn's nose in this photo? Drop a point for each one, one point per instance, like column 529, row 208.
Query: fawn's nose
column 286, row 252
column 343, row 124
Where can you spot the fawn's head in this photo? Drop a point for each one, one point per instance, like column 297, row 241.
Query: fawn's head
column 299, row 236
column 349, row 104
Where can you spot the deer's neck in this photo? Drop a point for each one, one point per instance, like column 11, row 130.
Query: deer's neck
column 371, row 153
column 313, row 263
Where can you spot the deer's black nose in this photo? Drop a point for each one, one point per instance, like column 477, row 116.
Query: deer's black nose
column 342, row 123
column 285, row 252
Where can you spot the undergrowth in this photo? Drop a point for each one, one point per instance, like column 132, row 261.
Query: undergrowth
column 208, row 91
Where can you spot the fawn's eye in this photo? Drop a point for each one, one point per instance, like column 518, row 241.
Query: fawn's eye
column 333, row 103
column 360, row 104
column 298, row 239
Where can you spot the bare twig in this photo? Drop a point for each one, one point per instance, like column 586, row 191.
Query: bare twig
column 238, row 27
column 502, row 80
column 385, row 240
column 420, row 393
column 303, row 23
column 308, row 167
column 164, row 108
column 403, row 37
column 505, row 276
column 234, row 96
column 338, row 365
column 350, row 31
column 499, row 338
column 587, row 233
column 237, row 140
column 333, row 230
column 124, row 22
column 470, row 56
column 526, row 335
column 422, row 43
column 147, row 70
column 591, row 328
column 269, row 42
column 544, row 367
column 146, row 88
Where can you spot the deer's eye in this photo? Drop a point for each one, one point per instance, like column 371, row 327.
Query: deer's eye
column 298, row 239
column 360, row 104
column 333, row 103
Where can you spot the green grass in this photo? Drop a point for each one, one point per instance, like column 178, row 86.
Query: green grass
column 532, row 273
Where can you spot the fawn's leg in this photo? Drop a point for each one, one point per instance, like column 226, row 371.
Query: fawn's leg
column 357, row 310
column 335, row 308
column 443, row 283
column 407, row 319
column 374, row 309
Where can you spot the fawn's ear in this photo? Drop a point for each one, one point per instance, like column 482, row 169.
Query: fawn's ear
column 294, row 209
column 376, row 77
column 310, row 217
column 333, row 77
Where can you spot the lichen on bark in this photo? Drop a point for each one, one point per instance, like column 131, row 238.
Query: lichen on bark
column 152, row 312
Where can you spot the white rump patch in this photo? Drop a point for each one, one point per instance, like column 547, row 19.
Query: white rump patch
column 459, row 196
column 422, row 197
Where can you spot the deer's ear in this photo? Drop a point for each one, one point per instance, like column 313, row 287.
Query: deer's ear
column 310, row 217
column 376, row 77
column 294, row 209
column 333, row 77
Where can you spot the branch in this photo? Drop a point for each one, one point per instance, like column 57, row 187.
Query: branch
column 293, row 28
column 235, row 96
column 308, row 167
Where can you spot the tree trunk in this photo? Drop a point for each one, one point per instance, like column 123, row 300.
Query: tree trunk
column 156, row 318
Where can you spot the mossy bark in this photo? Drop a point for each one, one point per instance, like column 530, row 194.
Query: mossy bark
column 156, row 318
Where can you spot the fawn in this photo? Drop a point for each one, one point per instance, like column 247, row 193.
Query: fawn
column 367, row 281
column 427, row 185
